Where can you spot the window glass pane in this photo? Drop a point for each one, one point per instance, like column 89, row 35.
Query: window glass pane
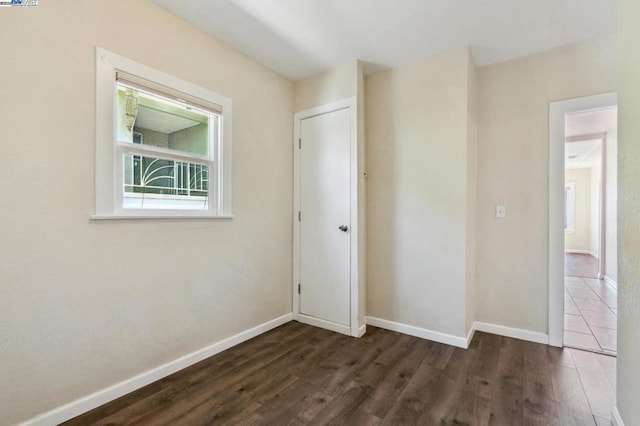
column 156, row 183
column 149, row 119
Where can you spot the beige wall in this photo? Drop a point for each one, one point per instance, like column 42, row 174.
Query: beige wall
column 417, row 158
column 85, row 304
column 329, row 86
column 628, row 382
column 513, row 169
column 580, row 239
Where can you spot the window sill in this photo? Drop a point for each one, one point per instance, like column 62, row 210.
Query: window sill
column 137, row 217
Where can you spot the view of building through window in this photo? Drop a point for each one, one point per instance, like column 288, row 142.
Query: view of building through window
column 164, row 126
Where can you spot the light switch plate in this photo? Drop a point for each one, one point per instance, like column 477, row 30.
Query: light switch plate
column 501, row 212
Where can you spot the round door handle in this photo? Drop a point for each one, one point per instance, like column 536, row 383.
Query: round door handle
column 343, row 228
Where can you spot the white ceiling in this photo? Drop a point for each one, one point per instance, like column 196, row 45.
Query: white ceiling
column 299, row 38
column 583, row 129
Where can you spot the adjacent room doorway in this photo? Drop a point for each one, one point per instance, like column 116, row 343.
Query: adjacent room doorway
column 590, row 302
column 582, row 228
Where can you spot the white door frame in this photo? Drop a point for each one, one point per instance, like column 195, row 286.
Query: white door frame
column 349, row 103
column 557, row 113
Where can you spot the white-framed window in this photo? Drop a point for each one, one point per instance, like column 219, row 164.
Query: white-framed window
column 163, row 145
column 569, row 207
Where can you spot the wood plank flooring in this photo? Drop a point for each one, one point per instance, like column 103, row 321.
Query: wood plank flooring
column 298, row 374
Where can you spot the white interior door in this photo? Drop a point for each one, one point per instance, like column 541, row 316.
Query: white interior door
column 325, row 248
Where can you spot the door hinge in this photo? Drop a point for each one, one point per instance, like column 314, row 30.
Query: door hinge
column 299, row 288
column 299, row 216
column 299, row 143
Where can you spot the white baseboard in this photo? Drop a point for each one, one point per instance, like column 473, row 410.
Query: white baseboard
column 317, row 322
column 615, row 417
column 516, row 333
column 611, row 282
column 461, row 342
column 589, row 252
column 436, row 336
column 87, row 403
column 362, row 330
column 471, row 333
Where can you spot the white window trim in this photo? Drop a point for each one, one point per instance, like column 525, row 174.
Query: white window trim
column 108, row 184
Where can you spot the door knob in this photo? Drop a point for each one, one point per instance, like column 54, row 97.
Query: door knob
column 343, row 228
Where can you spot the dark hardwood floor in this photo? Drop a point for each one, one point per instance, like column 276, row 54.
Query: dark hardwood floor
column 298, row 374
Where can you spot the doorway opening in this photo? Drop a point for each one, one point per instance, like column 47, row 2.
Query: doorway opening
column 590, row 253
column 558, row 113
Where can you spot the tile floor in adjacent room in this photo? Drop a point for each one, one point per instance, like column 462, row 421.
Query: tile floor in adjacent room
column 590, row 314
